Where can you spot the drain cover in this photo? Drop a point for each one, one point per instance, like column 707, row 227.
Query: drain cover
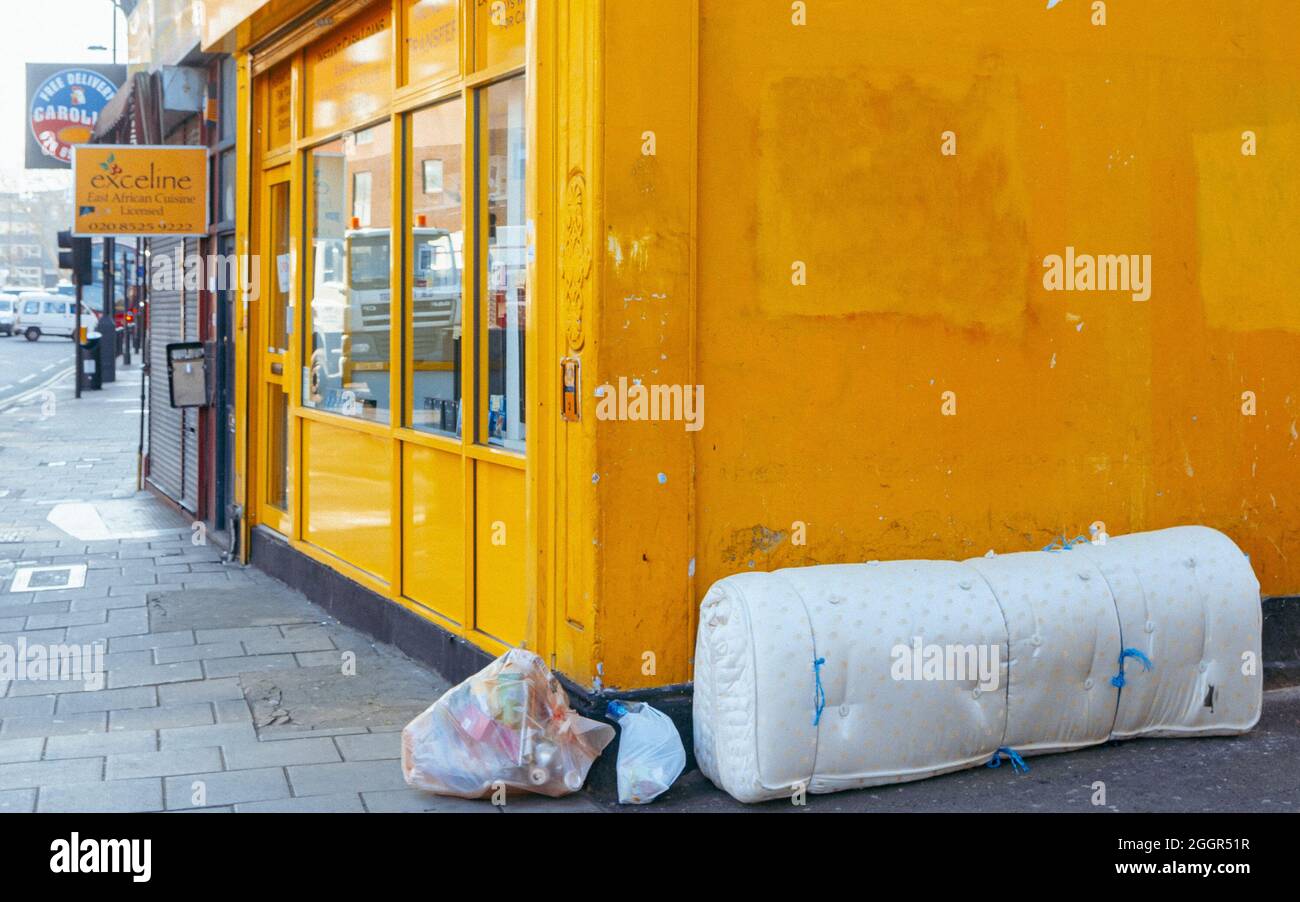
column 42, row 579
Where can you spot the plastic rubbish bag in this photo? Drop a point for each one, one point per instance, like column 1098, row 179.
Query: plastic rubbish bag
column 509, row 723
column 650, row 752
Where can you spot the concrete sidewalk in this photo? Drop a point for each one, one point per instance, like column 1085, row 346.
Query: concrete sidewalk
column 226, row 691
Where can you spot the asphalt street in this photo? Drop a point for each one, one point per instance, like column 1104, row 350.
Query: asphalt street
column 27, row 366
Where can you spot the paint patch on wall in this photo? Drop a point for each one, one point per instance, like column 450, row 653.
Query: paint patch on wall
column 853, row 185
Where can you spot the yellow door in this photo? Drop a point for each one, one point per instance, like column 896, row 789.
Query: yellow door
column 274, row 484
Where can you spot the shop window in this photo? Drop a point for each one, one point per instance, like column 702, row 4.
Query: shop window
column 349, row 72
column 277, row 98
column 502, row 171
column 499, row 33
column 278, row 309
column 226, row 186
column 432, row 40
column 349, row 304
column 227, row 102
column 437, row 260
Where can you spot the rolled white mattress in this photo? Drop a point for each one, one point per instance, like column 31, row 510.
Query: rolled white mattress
column 932, row 666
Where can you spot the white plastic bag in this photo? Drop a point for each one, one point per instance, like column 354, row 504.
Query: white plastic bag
column 510, row 723
column 650, row 752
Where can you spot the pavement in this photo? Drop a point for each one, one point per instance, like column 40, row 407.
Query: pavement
column 225, row 691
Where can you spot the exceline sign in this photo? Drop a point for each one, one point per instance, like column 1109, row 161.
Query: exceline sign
column 150, row 182
column 140, row 190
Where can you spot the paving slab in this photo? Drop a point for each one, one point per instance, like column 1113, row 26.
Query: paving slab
column 115, row 796
column 388, row 690
column 12, row 750
column 349, row 776
column 216, row 608
column 50, row 773
column 226, row 788
column 243, row 755
column 17, row 801
column 163, row 763
column 370, row 746
column 339, row 803
column 87, row 745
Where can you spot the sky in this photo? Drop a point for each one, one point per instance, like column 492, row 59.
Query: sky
column 45, row 31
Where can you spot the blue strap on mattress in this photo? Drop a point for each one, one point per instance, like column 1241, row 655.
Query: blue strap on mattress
column 1118, row 679
column 820, row 696
column 1017, row 763
column 1065, row 544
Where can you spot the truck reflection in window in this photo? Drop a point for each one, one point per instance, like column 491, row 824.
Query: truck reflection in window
column 350, row 319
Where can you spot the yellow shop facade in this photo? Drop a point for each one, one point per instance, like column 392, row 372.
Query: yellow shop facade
column 827, row 223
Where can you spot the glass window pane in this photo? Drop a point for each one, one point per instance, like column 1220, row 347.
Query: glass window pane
column 499, row 27
column 278, row 298
column 437, row 240
column 227, row 104
column 432, row 40
column 226, row 180
column 505, row 294
column 350, row 297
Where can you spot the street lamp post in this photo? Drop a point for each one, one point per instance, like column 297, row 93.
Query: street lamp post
column 117, row 6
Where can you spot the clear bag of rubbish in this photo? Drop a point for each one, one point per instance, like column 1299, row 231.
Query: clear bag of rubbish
column 650, row 752
column 509, row 724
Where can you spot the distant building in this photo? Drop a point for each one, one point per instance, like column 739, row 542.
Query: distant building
column 29, row 221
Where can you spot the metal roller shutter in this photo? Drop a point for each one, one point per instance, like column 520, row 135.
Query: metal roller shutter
column 190, row 330
column 166, row 424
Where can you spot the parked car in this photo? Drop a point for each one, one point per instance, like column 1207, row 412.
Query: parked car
column 40, row 314
column 8, row 309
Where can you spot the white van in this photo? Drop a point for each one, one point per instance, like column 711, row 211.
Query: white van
column 40, row 314
column 8, row 310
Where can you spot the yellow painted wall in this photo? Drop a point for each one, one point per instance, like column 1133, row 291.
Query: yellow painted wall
column 644, row 486
column 821, row 143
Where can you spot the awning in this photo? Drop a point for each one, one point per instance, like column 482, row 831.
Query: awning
column 131, row 117
column 115, row 112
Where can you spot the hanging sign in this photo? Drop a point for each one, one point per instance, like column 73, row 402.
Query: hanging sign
column 125, row 189
column 63, row 106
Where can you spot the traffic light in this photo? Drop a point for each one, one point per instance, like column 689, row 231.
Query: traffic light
column 74, row 254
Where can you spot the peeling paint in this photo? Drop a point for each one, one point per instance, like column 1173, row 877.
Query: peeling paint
column 754, row 540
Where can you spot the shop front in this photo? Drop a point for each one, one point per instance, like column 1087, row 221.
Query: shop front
column 477, row 218
column 387, row 410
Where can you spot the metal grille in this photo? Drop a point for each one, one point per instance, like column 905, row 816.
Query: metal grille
column 166, row 425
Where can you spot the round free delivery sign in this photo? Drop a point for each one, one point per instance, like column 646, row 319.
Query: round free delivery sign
column 65, row 108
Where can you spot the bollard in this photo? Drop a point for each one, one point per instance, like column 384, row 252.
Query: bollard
column 107, row 347
column 92, row 372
